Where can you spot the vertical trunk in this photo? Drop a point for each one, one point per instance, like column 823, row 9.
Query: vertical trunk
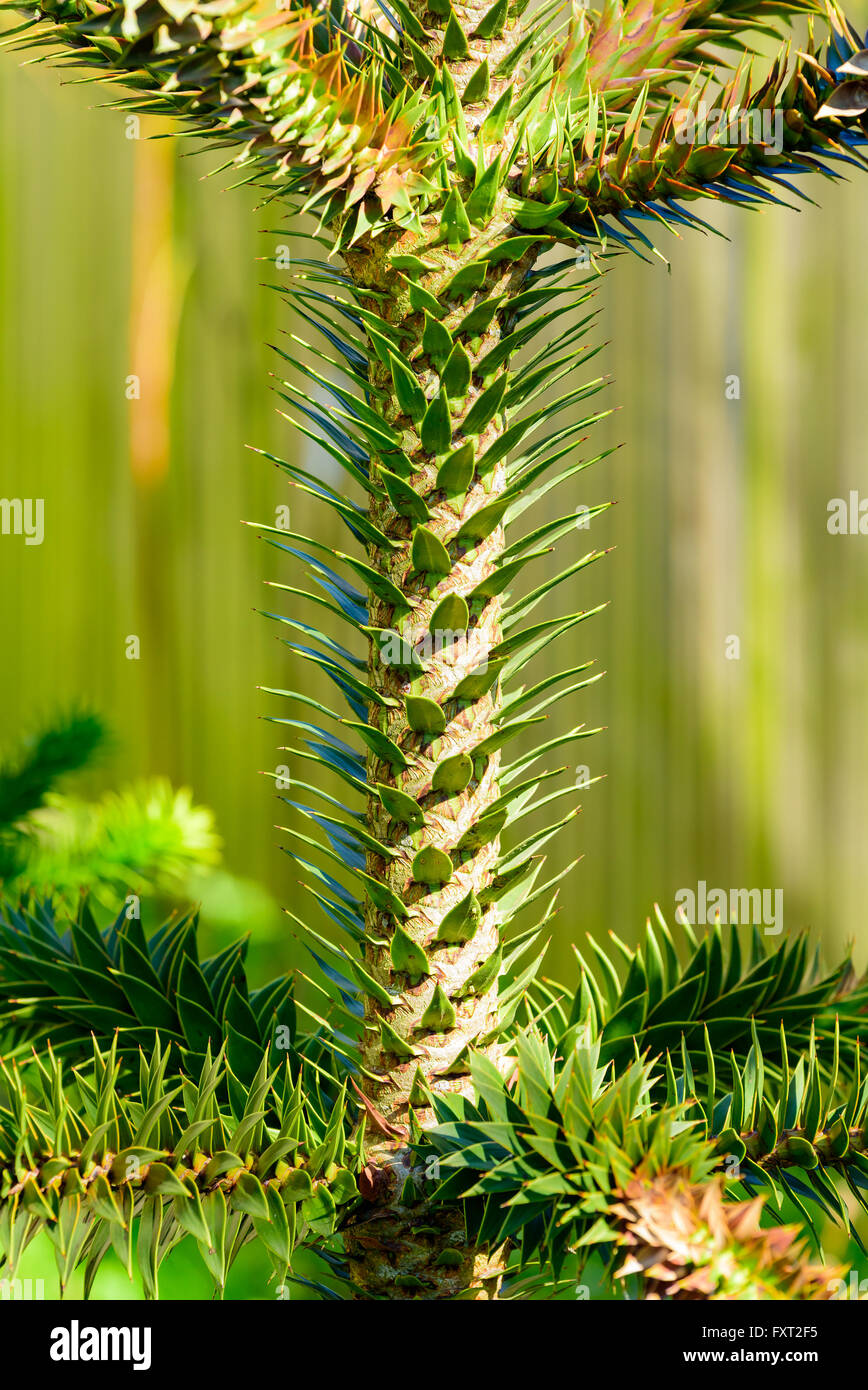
column 433, row 938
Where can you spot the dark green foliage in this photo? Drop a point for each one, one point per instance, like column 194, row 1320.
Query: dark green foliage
column 540, row 1153
column 539, row 1160
column 63, row 979
column 723, row 986
column 33, row 770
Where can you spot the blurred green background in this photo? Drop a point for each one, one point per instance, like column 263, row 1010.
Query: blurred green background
column 118, row 259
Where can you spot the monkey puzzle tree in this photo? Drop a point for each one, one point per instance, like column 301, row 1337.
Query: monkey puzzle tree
column 442, row 1119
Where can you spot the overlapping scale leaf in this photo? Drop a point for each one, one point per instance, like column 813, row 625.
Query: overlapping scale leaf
column 100, row 1165
column 419, row 424
column 286, row 93
column 679, row 984
column 566, row 1158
